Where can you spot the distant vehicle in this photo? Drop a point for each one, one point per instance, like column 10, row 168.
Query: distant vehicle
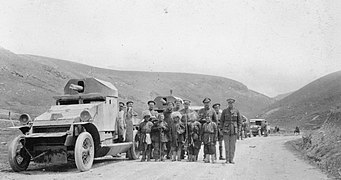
column 256, row 125
column 80, row 127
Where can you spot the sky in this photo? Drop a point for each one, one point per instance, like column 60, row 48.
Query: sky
column 271, row 46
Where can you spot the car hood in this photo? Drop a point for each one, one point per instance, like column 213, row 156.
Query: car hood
column 62, row 114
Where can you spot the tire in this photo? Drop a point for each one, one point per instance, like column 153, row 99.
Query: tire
column 18, row 157
column 133, row 153
column 84, row 151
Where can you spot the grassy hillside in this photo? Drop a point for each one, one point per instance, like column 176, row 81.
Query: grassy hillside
column 309, row 106
column 27, row 84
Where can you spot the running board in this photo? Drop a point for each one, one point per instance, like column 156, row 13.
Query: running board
column 117, row 147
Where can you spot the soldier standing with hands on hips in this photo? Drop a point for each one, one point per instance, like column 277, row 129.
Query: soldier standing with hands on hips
column 231, row 124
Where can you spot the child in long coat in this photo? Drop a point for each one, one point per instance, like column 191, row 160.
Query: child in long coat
column 209, row 137
column 159, row 138
column 144, row 131
column 177, row 135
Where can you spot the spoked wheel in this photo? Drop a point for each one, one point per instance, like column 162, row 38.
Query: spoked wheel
column 84, row 151
column 18, row 157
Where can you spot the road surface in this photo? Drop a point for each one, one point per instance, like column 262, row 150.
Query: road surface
column 256, row 158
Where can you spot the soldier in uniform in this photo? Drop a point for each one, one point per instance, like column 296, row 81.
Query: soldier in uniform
column 121, row 122
column 151, row 106
column 130, row 115
column 185, row 112
column 231, row 122
column 207, row 111
column 168, row 119
column 218, row 111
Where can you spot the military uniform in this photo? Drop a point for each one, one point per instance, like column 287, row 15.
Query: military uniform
column 209, row 112
column 230, row 122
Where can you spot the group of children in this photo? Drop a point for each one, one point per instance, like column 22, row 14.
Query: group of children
column 155, row 135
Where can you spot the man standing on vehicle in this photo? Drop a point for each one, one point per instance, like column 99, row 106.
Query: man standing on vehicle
column 218, row 112
column 178, row 103
column 231, row 122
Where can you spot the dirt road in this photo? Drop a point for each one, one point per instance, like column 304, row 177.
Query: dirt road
column 256, row 158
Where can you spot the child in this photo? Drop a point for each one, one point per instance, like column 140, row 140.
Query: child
column 209, row 138
column 145, row 142
column 194, row 128
column 159, row 138
column 177, row 132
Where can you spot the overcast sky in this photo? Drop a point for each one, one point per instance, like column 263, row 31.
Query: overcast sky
column 272, row 46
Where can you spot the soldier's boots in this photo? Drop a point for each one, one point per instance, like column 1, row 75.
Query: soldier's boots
column 221, row 153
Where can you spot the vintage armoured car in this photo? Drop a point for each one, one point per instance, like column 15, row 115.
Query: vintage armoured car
column 80, row 127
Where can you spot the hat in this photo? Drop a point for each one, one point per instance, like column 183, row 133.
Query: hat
column 230, row 100
column 216, row 104
column 187, row 102
column 129, row 102
column 121, row 104
column 146, row 113
column 176, row 114
column 151, row 102
column 206, row 100
column 178, row 100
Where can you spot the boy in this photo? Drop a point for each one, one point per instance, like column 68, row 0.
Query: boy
column 145, row 142
column 177, row 132
column 209, row 138
column 159, row 138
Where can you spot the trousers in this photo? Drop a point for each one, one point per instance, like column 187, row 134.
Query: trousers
column 230, row 146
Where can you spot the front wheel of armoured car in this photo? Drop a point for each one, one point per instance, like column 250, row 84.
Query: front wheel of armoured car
column 18, row 157
column 84, row 151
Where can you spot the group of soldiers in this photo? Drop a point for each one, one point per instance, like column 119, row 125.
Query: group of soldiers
column 178, row 131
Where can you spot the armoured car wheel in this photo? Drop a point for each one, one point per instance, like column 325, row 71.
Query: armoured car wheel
column 84, row 151
column 18, row 157
column 133, row 153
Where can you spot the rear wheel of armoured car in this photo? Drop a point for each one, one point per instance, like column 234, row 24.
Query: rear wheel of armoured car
column 18, row 157
column 84, row 151
column 133, row 153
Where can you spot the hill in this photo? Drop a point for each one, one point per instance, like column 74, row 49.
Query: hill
column 281, row 96
column 309, row 106
column 28, row 82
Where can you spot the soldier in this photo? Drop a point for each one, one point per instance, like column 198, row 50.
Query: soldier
column 218, row 112
column 130, row 115
column 151, row 105
column 159, row 138
column 207, row 111
column 209, row 137
column 185, row 112
column 144, row 131
column 168, row 119
column 231, row 122
column 178, row 103
column 177, row 131
column 121, row 122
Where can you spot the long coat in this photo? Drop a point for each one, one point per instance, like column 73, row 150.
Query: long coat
column 177, row 134
column 209, row 133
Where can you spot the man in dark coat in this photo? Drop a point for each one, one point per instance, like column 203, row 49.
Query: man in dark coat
column 168, row 119
column 231, row 124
